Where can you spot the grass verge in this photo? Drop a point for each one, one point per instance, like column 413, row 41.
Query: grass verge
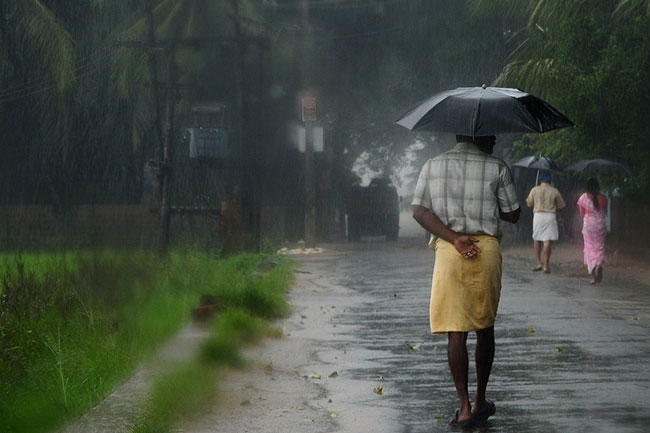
column 74, row 325
column 245, row 321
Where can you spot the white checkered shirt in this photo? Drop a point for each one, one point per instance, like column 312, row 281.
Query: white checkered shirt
column 465, row 188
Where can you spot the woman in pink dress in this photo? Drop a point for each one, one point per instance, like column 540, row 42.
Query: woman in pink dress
column 593, row 209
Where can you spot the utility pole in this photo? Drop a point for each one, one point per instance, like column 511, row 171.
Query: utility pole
column 245, row 148
column 157, row 127
column 166, row 165
column 310, row 189
column 164, row 137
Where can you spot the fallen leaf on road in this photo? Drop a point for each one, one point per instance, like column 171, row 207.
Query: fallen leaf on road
column 635, row 318
column 381, row 378
column 559, row 349
column 268, row 368
column 329, row 400
column 314, row 376
column 531, row 330
column 334, row 374
column 246, row 403
column 437, row 416
column 379, row 390
column 414, row 347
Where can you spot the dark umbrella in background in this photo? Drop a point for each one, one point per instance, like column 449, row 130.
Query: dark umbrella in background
column 596, row 166
column 479, row 111
column 540, row 163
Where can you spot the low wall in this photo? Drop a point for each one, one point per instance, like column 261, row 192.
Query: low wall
column 38, row 226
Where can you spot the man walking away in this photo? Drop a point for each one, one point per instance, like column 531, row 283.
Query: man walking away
column 545, row 200
column 460, row 197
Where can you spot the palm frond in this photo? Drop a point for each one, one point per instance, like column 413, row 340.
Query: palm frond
column 551, row 12
column 49, row 40
column 627, row 9
column 175, row 21
column 536, row 76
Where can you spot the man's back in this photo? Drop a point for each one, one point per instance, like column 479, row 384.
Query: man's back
column 545, row 198
column 466, row 188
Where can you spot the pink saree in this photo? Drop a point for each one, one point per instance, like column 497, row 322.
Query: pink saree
column 594, row 231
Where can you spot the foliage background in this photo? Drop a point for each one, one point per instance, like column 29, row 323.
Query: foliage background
column 78, row 119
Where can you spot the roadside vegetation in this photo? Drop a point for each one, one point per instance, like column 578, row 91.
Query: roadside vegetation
column 190, row 387
column 74, row 325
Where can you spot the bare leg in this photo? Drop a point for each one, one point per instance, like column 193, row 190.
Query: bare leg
column 459, row 365
column 599, row 274
column 547, row 253
column 538, row 251
column 484, row 357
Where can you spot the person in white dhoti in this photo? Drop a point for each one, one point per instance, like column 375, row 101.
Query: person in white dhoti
column 545, row 200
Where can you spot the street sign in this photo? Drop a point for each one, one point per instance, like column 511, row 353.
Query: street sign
column 297, row 135
column 308, row 109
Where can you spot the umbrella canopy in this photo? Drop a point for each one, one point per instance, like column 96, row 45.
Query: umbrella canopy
column 478, row 111
column 538, row 163
column 594, row 166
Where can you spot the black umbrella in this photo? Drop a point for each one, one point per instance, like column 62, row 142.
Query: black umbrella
column 595, row 166
column 477, row 111
column 537, row 162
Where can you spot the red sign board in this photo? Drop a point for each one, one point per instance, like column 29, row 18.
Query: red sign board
column 308, row 109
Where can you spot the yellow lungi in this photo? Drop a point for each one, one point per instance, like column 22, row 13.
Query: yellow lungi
column 465, row 292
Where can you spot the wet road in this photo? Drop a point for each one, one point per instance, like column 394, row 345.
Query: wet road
column 570, row 357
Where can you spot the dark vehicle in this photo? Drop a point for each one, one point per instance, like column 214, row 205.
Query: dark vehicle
column 373, row 210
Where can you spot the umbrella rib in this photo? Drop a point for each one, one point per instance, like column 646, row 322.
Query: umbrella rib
column 477, row 111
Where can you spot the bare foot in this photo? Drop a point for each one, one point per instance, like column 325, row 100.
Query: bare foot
column 599, row 274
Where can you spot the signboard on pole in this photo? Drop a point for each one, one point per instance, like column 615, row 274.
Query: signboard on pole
column 308, row 109
column 297, row 136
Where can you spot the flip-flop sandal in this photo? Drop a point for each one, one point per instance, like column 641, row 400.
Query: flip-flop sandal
column 487, row 412
column 537, row 269
column 468, row 423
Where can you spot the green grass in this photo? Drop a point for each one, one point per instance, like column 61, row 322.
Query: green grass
column 74, row 325
column 187, row 389
column 252, row 300
column 232, row 328
column 190, row 387
column 182, row 391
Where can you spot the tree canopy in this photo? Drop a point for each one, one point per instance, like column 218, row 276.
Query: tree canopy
column 78, row 115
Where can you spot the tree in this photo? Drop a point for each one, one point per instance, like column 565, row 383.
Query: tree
column 37, row 70
column 590, row 60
